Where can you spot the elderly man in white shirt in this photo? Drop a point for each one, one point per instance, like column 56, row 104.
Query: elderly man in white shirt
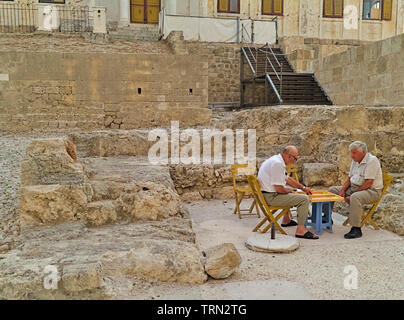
column 273, row 180
column 364, row 185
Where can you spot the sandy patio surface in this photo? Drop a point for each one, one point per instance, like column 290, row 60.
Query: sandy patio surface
column 314, row 271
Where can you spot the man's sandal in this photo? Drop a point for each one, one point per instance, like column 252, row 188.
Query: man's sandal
column 292, row 223
column 307, row 235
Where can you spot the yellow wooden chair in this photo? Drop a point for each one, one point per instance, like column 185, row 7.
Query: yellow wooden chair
column 269, row 211
column 242, row 191
column 367, row 214
column 291, row 170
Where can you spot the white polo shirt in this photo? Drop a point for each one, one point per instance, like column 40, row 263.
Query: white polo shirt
column 368, row 168
column 271, row 173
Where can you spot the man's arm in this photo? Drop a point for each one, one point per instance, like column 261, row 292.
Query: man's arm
column 344, row 187
column 293, row 183
column 366, row 185
column 282, row 189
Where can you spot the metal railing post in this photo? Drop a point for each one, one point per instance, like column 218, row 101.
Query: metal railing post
column 281, row 79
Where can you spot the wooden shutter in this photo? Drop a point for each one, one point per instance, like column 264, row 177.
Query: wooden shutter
column 338, row 8
column 223, row 5
column 328, row 9
column 387, row 6
column 267, row 6
column 278, row 6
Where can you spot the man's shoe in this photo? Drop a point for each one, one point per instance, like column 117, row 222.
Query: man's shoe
column 355, row 232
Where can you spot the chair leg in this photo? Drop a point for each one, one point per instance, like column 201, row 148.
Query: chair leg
column 239, row 197
column 235, row 208
column 373, row 223
column 251, row 207
column 274, row 221
column 368, row 220
column 257, row 209
column 260, row 224
column 346, row 222
column 238, row 206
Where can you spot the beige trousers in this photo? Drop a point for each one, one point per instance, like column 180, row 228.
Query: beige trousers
column 358, row 199
column 301, row 201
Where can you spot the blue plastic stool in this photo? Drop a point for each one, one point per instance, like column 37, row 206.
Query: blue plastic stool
column 316, row 219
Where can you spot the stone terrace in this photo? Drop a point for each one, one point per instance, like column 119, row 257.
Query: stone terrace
column 77, row 43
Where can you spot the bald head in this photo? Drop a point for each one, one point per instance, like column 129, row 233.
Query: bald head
column 290, row 154
column 290, row 150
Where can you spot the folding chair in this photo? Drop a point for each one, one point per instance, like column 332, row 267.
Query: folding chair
column 242, row 191
column 367, row 215
column 291, row 170
column 268, row 210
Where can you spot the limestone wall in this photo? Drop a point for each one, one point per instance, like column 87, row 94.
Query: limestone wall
column 223, row 65
column 323, row 133
column 56, row 90
column 371, row 74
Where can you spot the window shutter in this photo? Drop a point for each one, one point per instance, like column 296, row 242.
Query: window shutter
column 328, row 8
column 223, row 5
column 338, row 8
column 387, row 6
column 267, row 6
column 278, row 6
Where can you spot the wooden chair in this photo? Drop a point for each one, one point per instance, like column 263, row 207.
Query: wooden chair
column 367, row 214
column 269, row 211
column 291, row 170
column 242, row 191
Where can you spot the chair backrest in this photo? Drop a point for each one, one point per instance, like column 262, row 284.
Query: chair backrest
column 235, row 172
column 257, row 194
column 386, row 182
column 291, row 170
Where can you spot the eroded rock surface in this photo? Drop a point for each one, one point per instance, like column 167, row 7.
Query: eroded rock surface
column 222, row 260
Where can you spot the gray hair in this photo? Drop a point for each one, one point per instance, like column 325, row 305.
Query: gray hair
column 358, row 145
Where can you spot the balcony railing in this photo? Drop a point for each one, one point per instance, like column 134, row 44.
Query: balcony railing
column 27, row 18
column 18, row 17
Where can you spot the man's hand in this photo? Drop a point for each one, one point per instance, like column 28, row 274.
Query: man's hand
column 307, row 190
column 348, row 199
column 342, row 193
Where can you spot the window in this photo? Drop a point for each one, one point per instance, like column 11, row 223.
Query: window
column 230, row 6
column 273, row 7
column 377, row 9
column 333, row 8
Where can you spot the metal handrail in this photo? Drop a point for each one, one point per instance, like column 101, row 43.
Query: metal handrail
column 249, row 48
column 276, row 73
column 248, row 60
column 274, row 88
column 267, row 76
column 276, row 59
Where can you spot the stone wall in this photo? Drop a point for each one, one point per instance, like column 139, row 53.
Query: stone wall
column 323, row 133
column 223, row 66
column 55, row 90
column 303, row 52
column 371, row 74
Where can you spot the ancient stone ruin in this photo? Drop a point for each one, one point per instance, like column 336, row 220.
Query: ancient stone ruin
column 91, row 215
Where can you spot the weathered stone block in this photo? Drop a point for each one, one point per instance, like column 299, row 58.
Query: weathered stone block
column 162, row 260
column 222, row 260
column 322, row 174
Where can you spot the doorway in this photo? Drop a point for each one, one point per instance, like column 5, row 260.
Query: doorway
column 144, row 11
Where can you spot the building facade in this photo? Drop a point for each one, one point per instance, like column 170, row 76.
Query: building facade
column 363, row 20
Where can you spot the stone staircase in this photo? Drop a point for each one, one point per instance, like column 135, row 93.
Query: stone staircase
column 293, row 87
column 147, row 32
